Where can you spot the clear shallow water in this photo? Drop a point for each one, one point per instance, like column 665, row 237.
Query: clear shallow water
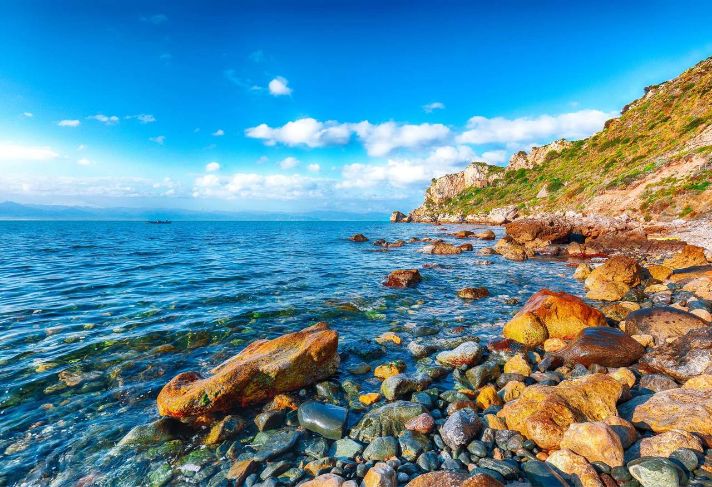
column 95, row 317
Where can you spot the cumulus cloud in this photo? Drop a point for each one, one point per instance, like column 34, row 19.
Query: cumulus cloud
column 17, row 152
column 212, row 166
column 218, row 133
column 142, row 118
column 279, row 86
column 289, row 163
column 84, row 161
column 160, row 139
column 574, row 125
column 431, row 107
column 105, row 119
column 131, row 187
column 69, row 123
column 378, row 139
column 314, row 167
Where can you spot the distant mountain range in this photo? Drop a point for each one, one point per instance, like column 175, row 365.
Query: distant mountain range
column 10, row 210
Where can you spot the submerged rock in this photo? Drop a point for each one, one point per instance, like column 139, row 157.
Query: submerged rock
column 601, row 345
column 403, row 278
column 612, row 280
column 662, row 323
column 473, row 293
column 544, row 413
column 262, row 370
column 549, row 314
column 327, row 420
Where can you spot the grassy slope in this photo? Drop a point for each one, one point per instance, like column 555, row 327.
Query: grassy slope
column 650, row 134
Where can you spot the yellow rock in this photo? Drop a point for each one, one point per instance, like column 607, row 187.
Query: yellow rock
column 512, row 390
column 369, row 398
column 582, row 271
column 701, row 382
column 577, row 467
column 612, row 280
column 659, row 272
column 664, row 444
column 495, row 422
column 388, row 336
column 624, row 376
column 677, row 409
column 526, row 330
column 380, row 475
column 385, row 371
column 645, row 340
column 596, row 441
column 655, row 288
column 554, row 345
column 488, row 397
column 517, row 365
column 689, row 256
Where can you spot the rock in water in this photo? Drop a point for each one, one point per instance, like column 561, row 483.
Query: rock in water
column 676, row 409
column 398, row 217
column 602, row 345
column 359, row 237
column 539, row 474
column 544, row 413
column 687, row 357
column 468, row 353
column 387, row 420
column 485, row 235
column 262, row 370
column 473, row 293
column 662, row 323
column 511, row 250
column 612, row 280
column 403, row 278
column 689, row 256
column 443, row 248
column 327, row 420
column 549, row 314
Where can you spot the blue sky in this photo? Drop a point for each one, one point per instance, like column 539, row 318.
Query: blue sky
column 310, row 105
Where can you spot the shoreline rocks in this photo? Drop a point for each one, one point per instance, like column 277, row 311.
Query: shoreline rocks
column 403, row 278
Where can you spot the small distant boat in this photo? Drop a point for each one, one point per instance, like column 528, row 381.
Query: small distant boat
column 159, row 222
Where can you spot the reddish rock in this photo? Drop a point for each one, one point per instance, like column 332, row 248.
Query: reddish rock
column 467, row 247
column 485, row 235
column 534, row 232
column 262, row 370
column 602, row 345
column 463, row 234
column 359, row 237
column 444, row 248
column 473, row 293
column 403, row 278
column 421, row 424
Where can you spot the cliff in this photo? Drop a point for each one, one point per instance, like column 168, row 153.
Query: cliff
column 653, row 163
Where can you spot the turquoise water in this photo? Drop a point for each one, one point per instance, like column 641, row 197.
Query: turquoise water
column 96, row 316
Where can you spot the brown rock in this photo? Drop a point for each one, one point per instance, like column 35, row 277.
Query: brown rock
column 548, row 314
column 466, row 247
column 463, row 234
column 664, row 444
column 554, row 344
column 624, row 429
column 380, row 475
column 700, row 287
column 612, row 280
column 485, row 235
column 659, row 272
column 576, row 466
column 535, row 233
column 324, row 480
column 511, row 250
column 544, row 413
column 595, row 441
column 423, row 423
column 359, row 237
column 676, row 409
column 601, row 345
column 663, row 323
column 444, row 248
column 403, row 278
column 473, row 293
column 240, row 470
column 701, row 382
column 439, row 479
column 684, row 358
column 262, row 370
column 398, row 217
column 689, row 256
column 479, row 480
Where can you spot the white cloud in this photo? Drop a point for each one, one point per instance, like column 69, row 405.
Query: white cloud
column 431, row 107
column 574, row 125
column 84, row 162
column 259, row 186
column 142, row 118
column 305, row 131
column 279, row 86
column 105, row 119
column 17, row 152
column 69, row 123
column 289, row 162
column 158, row 139
column 383, row 138
column 90, row 187
column 314, row 167
column 494, row 156
column 378, row 139
column 28, row 114
column 219, row 133
column 212, row 166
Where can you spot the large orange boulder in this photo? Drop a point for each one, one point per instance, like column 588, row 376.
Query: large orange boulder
column 689, row 256
column 676, row 409
column 612, row 280
column 550, row 314
column 544, row 413
column 262, row 370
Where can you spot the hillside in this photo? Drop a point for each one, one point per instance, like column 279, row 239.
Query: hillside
column 653, row 163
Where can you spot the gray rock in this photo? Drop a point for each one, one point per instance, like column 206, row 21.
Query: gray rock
column 657, row 472
column 460, row 428
column 345, row 448
column 273, row 469
column 429, row 461
column 381, row 448
column 327, row 420
column 420, row 348
column 483, row 374
column 412, row 444
column 540, row 474
column 656, row 383
column 387, row 420
column 401, row 384
column 269, row 420
column 272, row 443
column 314, row 446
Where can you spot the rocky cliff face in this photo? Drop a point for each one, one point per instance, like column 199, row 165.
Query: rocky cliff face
column 651, row 164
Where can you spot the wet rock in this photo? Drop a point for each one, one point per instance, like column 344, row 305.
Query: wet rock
column 487, row 396
column 595, row 441
column 365, row 350
column 320, row 466
column 225, row 429
column 612, row 280
column 485, row 235
column 412, row 444
column 619, row 310
column 398, row 217
column 689, row 256
column 473, row 293
column 324, row 480
column 481, row 374
column 359, row 237
column 548, row 314
column 460, row 428
column 651, row 383
column 468, row 353
column 510, row 250
column 269, row 420
column 675, row 409
column 539, row 474
column 664, row 444
column 160, row 431
column 345, row 448
column 576, row 467
column 582, row 271
column 543, row 413
column 687, row 357
column 388, row 337
column 399, row 385
column 262, row 370
column 403, row 278
column 270, row 444
column 381, row 448
column 387, row 420
column 466, row 247
column 657, row 472
column 369, row 398
column 390, row 369
column 605, row 346
column 518, row 364
column 662, row 323
column 327, row 420
column 422, row 347
column 463, row 234
column 240, row 470
column 423, row 423
column 380, row 475
column 443, row 248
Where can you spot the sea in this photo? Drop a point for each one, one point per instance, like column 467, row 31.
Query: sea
column 95, row 317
